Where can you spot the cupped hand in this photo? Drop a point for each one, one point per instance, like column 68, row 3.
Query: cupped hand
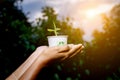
column 58, row 53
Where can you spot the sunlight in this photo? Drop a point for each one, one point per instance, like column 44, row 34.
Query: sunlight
column 91, row 13
column 89, row 18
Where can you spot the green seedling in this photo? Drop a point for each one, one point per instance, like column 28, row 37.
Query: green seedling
column 55, row 29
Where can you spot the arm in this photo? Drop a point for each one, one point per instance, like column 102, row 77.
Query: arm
column 58, row 53
column 23, row 67
column 47, row 56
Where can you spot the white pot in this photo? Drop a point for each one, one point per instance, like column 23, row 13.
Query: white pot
column 59, row 40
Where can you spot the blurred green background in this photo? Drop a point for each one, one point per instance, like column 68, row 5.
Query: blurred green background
column 100, row 59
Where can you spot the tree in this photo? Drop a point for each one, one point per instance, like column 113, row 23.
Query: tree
column 106, row 45
column 15, row 36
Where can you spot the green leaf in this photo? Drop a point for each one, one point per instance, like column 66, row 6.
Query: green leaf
column 57, row 28
column 50, row 30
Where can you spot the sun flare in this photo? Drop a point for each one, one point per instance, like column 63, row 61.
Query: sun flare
column 91, row 13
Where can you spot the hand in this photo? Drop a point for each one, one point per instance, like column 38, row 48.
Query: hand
column 58, row 53
column 42, row 57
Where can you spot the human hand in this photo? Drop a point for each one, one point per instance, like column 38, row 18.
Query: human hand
column 58, row 53
column 45, row 55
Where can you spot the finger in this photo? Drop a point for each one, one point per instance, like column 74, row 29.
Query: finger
column 60, row 49
column 74, row 49
column 41, row 48
column 78, row 51
column 70, row 45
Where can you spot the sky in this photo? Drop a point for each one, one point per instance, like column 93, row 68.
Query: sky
column 85, row 14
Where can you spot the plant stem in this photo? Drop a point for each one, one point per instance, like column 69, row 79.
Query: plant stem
column 55, row 31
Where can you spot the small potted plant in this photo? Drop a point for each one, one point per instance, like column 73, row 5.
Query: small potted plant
column 56, row 40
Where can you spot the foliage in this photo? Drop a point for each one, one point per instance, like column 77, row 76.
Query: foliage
column 99, row 61
column 15, row 34
column 106, row 45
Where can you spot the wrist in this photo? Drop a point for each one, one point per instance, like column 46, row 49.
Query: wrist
column 43, row 62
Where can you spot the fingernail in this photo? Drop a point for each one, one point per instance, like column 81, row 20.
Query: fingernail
column 82, row 47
